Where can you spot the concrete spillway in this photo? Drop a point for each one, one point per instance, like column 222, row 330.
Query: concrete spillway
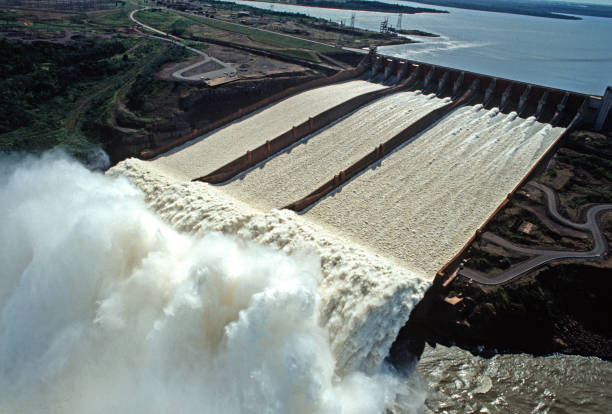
column 440, row 169
column 205, row 154
column 299, row 170
column 426, row 199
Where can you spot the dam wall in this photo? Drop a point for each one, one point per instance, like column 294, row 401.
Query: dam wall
column 212, row 151
column 509, row 129
column 544, row 104
column 420, row 203
column 548, row 104
column 298, row 170
column 603, row 122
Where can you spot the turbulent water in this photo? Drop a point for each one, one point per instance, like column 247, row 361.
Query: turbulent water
column 459, row 382
column 139, row 292
column 209, row 152
column 106, row 308
column 434, row 192
column 302, row 168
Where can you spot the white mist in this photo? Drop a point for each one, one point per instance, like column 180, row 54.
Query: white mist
column 104, row 308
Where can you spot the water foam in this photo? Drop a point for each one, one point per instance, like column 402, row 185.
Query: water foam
column 105, row 307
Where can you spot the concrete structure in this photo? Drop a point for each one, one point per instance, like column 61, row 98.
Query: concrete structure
column 604, row 110
column 548, row 105
column 549, row 109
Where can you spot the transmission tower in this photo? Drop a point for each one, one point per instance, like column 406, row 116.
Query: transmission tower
column 353, row 20
column 384, row 25
column 399, row 21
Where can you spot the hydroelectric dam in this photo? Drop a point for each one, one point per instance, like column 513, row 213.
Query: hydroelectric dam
column 385, row 172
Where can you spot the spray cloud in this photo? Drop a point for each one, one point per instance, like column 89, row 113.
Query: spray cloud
column 104, row 308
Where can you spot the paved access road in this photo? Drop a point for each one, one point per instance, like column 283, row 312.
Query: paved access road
column 226, row 69
column 542, row 256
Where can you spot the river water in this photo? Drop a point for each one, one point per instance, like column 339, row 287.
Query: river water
column 565, row 54
column 458, row 382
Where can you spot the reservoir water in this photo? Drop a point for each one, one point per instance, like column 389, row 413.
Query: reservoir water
column 573, row 55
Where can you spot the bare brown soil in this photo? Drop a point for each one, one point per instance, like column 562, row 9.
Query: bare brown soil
column 203, row 68
column 248, row 65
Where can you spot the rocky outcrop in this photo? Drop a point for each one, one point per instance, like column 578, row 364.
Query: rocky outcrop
column 564, row 308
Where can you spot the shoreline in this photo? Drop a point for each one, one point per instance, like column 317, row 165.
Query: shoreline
column 367, row 7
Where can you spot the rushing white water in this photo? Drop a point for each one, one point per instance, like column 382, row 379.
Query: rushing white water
column 211, row 151
column 423, row 202
column 106, row 308
column 366, row 298
column 304, row 167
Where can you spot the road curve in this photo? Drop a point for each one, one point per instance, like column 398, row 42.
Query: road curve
column 167, row 37
column 226, row 68
column 542, row 256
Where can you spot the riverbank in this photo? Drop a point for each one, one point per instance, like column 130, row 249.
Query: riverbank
column 562, row 309
column 371, row 6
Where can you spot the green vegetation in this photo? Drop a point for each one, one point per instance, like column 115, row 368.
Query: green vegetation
column 65, row 95
column 160, row 19
column 196, row 45
column 39, row 80
column 202, row 28
column 37, row 24
column 142, row 86
column 267, row 38
column 507, row 222
column 114, row 18
column 280, row 15
column 593, row 165
column 482, row 260
column 585, row 194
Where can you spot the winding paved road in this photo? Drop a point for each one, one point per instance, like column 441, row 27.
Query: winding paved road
column 226, row 69
column 542, row 256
